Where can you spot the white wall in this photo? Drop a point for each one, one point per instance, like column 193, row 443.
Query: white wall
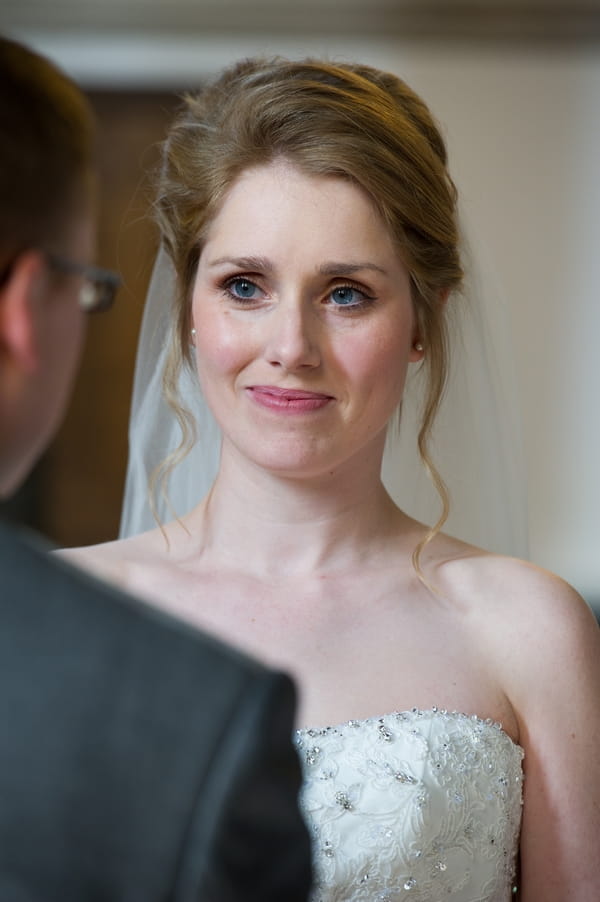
column 524, row 135
column 524, row 132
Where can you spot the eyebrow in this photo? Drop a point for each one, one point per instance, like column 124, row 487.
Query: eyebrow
column 260, row 263
column 332, row 268
column 347, row 269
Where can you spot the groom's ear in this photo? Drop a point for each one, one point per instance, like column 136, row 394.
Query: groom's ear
column 22, row 294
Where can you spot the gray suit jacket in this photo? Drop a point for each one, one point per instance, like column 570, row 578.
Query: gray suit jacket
column 140, row 760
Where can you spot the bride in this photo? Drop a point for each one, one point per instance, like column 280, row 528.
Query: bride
column 449, row 721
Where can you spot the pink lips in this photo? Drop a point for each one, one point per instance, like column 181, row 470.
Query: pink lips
column 288, row 400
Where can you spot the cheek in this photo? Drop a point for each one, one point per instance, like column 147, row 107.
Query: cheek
column 68, row 331
column 65, row 344
column 221, row 345
column 377, row 361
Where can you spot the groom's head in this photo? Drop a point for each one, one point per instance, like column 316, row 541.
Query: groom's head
column 47, row 239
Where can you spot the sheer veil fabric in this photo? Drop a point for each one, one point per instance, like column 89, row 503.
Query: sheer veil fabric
column 476, row 442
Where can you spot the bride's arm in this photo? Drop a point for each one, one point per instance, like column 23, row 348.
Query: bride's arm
column 553, row 658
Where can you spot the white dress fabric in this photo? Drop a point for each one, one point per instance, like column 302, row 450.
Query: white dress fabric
column 417, row 806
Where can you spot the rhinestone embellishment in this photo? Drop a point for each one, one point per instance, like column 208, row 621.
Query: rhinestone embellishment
column 415, row 805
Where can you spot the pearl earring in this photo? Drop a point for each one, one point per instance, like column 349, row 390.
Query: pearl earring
column 418, row 346
column 193, row 337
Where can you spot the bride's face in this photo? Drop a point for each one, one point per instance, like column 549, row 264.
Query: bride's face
column 304, row 322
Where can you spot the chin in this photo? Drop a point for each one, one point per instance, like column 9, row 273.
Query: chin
column 297, row 464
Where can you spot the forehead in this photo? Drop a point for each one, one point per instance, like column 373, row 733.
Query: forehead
column 277, row 203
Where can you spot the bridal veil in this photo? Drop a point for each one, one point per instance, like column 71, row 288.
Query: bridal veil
column 476, row 441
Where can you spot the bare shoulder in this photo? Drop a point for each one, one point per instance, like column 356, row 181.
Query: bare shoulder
column 548, row 639
column 543, row 643
column 517, row 592
column 152, row 566
column 536, row 628
column 118, row 561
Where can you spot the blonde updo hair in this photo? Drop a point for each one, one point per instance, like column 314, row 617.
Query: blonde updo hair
column 344, row 120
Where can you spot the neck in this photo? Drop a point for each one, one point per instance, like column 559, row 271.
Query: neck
column 273, row 525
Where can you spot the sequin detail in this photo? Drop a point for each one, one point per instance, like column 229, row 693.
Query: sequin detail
column 417, row 805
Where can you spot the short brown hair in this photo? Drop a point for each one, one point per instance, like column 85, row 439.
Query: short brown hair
column 46, row 149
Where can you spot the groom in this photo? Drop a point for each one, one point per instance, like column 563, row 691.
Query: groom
column 139, row 759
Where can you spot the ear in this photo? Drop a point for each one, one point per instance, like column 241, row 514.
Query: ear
column 21, row 306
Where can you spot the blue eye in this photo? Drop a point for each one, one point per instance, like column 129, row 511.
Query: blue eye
column 242, row 289
column 347, row 296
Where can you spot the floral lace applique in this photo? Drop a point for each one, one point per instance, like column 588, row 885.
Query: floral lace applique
column 415, row 806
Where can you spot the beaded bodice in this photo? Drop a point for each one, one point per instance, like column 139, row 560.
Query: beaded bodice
column 417, row 806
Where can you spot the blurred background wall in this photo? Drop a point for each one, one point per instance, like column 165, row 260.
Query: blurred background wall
column 516, row 87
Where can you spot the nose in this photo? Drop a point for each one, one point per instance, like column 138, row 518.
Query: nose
column 293, row 341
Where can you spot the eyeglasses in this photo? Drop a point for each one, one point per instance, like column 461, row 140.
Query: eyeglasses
column 99, row 286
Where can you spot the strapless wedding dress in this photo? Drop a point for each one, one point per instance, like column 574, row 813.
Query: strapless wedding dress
column 417, row 806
